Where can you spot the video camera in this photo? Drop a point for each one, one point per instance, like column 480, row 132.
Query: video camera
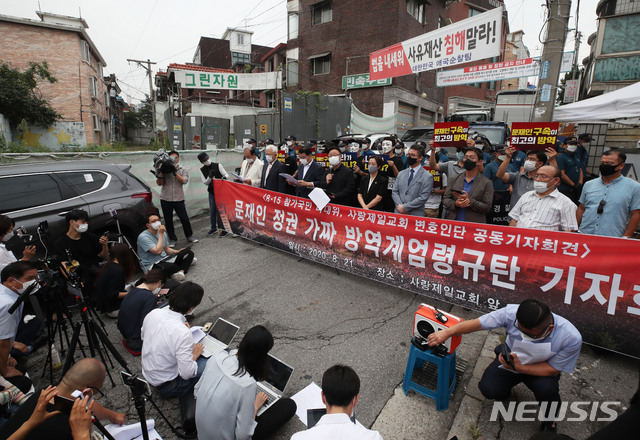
column 163, row 163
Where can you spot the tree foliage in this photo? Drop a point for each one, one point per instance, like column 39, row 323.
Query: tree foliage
column 140, row 118
column 20, row 98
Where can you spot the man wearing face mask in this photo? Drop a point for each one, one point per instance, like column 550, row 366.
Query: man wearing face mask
column 271, row 178
column 212, row 170
column 545, row 208
column 570, row 167
column 251, row 168
column 451, row 168
column 86, row 248
column 469, row 196
column 531, row 322
column 584, row 142
column 522, row 182
column 6, row 233
column 610, row 205
column 309, row 174
column 413, row 185
column 338, row 180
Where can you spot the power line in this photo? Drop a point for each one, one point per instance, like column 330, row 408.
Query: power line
column 144, row 28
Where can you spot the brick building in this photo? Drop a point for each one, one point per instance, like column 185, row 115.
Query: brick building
column 515, row 50
column 273, row 61
column 330, row 39
column 80, row 94
column 482, row 94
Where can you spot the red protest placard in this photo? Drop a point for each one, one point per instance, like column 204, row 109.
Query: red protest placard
column 450, row 134
column 536, row 136
column 388, row 63
column 591, row 281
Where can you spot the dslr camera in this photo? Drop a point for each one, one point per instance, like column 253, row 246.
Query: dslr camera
column 163, row 163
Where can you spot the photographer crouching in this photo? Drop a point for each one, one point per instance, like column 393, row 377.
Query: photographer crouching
column 172, row 178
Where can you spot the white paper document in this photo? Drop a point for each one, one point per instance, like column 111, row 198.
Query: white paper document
column 132, row 432
column 241, row 179
column 309, row 397
column 197, row 334
column 319, row 197
column 530, row 353
column 289, row 178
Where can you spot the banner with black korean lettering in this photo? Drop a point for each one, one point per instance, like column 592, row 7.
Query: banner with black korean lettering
column 590, row 280
column 472, row 39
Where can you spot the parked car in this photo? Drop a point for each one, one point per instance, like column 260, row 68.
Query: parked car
column 34, row 193
column 422, row 133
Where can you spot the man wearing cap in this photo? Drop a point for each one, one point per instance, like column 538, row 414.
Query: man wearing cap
column 309, row 172
column 212, row 170
column 251, row 168
column 571, row 170
column 271, row 178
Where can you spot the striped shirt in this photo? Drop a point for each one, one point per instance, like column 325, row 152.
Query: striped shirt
column 553, row 212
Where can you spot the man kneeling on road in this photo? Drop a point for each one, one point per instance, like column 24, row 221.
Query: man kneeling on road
column 551, row 343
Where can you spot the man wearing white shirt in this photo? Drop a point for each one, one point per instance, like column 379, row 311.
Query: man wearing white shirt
column 251, row 169
column 210, row 171
column 171, row 361
column 545, row 208
column 6, row 233
column 340, row 392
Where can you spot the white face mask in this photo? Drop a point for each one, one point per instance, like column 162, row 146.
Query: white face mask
column 269, row 158
column 25, row 285
column 286, row 150
column 289, row 143
column 82, row 227
column 572, row 148
column 438, row 149
column 156, row 225
column 530, row 339
column 334, row 160
column 398, row 150
column 502, row 157
column 304, row 161
column 8, row 236
column 529, row 165
column 540, row 187
column 206, row 162
column 354, row 147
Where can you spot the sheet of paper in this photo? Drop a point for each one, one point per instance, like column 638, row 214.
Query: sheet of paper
column 132, row 432
column 530, row 353
column 319, row 197
column 197, row 333
column 309, row 397
column 237, row 177
column 289, row 178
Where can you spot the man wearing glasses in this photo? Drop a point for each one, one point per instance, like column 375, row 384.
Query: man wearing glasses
column 610, row 205
column 550, row 343
column 545, row 208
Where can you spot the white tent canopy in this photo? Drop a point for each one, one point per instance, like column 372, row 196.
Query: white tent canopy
column 619, row 104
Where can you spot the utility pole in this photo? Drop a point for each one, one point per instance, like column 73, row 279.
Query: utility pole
column 152, row 95
column 557, row 26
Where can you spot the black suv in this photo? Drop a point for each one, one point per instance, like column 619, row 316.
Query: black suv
column 33, row 193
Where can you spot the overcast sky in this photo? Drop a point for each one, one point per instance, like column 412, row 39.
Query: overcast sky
column 167, row 31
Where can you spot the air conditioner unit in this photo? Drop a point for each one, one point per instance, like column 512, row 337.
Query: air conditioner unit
column 428, row 319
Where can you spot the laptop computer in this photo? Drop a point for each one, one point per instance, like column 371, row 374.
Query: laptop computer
column 219, row 337
column 274, row 385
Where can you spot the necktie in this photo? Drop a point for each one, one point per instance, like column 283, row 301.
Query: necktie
column 410, row 176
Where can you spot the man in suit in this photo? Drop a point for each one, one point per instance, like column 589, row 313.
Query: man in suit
column 469, row 196
column 338, row 180
column 309, row 173
column 413, row 185
column 271, row 178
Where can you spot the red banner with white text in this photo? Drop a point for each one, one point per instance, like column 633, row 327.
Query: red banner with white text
column 590, row 280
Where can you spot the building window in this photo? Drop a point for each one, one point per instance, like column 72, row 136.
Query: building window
column 240, row 58
column 491, row 85
column 93, row 87
column 96, row 123
column 476, row 85
column 106, row 100
column 100, row 70
column 86, row 54
column 473, row 12
column 416, row 8
column 240, row 39
column 321, row 13
column 293, row 27
column 321, row 65
column 292, row 72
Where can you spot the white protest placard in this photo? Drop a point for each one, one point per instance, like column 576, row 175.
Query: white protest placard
column 488, row 72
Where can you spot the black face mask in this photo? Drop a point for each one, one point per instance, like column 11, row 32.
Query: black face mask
column 469, row 164
column 607, row 170
column 411, row 161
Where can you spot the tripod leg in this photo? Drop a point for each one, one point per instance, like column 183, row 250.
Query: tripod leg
column 109, row 346
column 175, row 430
column 72, row 348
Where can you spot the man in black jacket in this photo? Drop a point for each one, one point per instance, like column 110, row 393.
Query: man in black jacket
column 271, row 178
column 212, row 170
column 338, row 180
column 309, row 173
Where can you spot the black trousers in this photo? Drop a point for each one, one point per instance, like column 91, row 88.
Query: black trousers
column 182, row 263
column 167, row 213
column 22, row 382
column 273, row 418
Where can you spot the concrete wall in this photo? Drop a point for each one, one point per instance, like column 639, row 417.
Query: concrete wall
column 5, row 130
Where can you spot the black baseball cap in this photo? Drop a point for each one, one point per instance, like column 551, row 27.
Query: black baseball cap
column 252, row 141
column 291, row 138
column 203, row 157
column 585, row 137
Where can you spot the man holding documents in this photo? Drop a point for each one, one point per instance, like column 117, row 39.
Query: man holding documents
column 251, row 168
column 338, row 180
column 309, row 174
column 271, row 178
column 541, row 344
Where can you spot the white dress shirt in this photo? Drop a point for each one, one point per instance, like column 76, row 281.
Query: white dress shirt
column 224, row 402
column 6, row 256
column 252, row 171
column 167, row 349
column 553, row 212
column 337, row 427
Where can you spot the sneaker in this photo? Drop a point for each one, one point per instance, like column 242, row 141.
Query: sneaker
column 234, row 235
column 223, row 233
column 212, row 232
column 195, row 260
column 192, row 240
column 178, row 276
column 172, row 243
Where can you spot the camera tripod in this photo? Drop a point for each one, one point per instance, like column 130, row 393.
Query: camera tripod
column 121, row 238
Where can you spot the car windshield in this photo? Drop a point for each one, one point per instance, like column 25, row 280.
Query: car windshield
column 415, row 134
column 494, row 134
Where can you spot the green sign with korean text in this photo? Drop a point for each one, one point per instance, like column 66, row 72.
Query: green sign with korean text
column 362, row 80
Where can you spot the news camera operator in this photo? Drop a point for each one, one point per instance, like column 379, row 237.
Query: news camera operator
column 172, row 181
column 6, row 233
column 84, row 247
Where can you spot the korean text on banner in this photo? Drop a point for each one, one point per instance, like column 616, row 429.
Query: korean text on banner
column 450, row 134
column 590, row 280
column 488, row 72
column 472, row 39
column 536, row 136
column 192, row 79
